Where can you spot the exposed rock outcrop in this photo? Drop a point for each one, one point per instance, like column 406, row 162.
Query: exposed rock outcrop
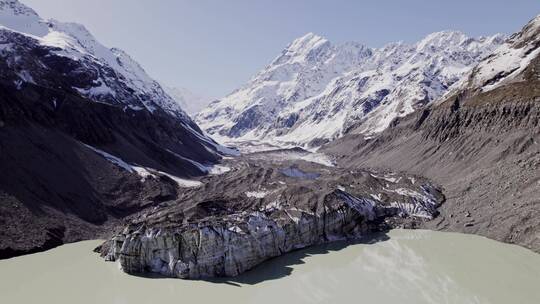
column 221, row 230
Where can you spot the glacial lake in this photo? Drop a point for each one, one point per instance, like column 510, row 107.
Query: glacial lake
column 403, row 266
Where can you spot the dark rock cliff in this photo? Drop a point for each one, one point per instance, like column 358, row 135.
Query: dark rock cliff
column 54, row 186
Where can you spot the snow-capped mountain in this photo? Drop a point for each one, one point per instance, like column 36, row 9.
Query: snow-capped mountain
column 101, row 74
column 116, row 78
column 315, row 90
column 188, row 101
column 67, row 58
column 508, row 63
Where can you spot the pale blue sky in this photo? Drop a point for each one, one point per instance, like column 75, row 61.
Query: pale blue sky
column 212, row 47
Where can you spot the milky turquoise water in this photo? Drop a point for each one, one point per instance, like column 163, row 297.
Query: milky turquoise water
column 403, row 267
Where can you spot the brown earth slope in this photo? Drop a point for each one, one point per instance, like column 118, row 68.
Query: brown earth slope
column 482, row 147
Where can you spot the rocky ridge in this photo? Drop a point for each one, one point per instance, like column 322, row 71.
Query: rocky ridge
column 109, row 75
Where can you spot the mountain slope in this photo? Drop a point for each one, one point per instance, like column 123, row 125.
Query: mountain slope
column 510, row 62
column 87, row 137
column 315, row 91
column 481, row 143
column 192, row 103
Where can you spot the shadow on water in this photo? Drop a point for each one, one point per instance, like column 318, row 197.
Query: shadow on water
column 281, row 266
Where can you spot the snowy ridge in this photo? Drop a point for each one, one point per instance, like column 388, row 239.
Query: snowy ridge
column 121, row 80
column 21, row 18
column 105, row 75
column 315, row 91
column 508, row 62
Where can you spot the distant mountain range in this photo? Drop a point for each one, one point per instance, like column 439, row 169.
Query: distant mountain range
column 315, row 91
column 188, row 100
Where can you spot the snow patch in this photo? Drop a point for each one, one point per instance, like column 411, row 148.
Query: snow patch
column 208, row 169
column 183, row 183
column 387, row 178
column 218, row 170
column 411, row 193
column 503, row 66
column 235, row 229
column 377, row 197
column 318, row 158
column 257, row 194
column 145, row 172
column 275, row 205
column 135, row 108
column 100, row 90
column 111, row 158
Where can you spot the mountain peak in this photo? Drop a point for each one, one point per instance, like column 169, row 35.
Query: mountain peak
column 442, row 39
column 308, row 38
column 529, row 33
column 308, row 41
column 305, row 48
column 72, row 40
column 16, row 8
column 534, row 23
column 21, row 18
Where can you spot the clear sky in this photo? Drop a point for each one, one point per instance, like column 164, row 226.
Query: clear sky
column 213, row 47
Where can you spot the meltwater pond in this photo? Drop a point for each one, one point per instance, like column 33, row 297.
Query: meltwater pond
column 404, row 266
